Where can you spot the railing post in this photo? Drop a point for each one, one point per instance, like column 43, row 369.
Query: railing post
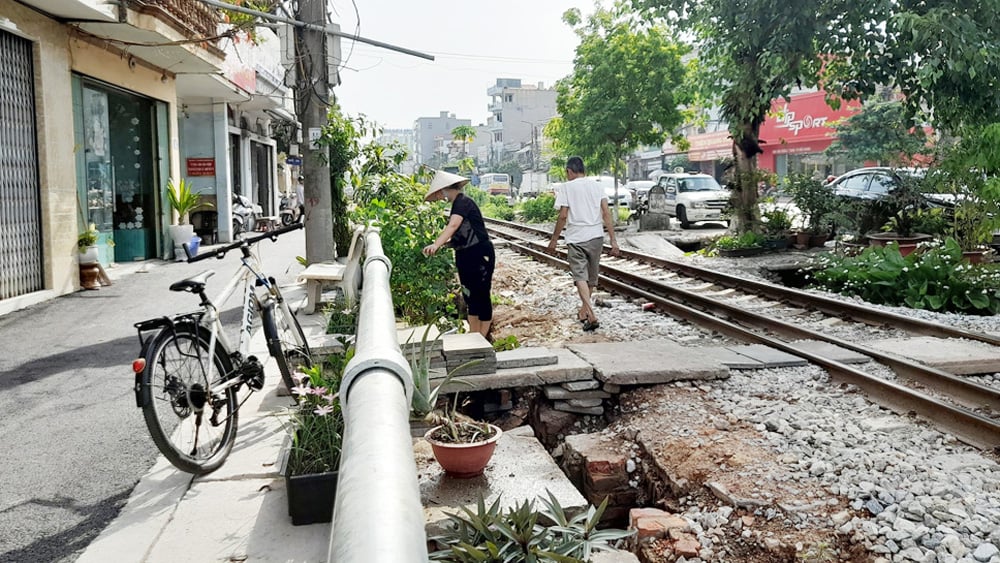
column 377, row 514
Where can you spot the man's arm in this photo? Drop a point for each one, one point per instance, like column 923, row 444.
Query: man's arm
column 560, row 223
column 610, row 226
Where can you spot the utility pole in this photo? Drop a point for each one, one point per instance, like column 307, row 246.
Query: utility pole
column 312, row 101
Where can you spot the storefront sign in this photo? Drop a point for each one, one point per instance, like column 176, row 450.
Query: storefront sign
column 201, row 167
column 807, row 117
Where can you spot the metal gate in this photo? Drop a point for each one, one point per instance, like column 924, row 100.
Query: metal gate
column 20, row 213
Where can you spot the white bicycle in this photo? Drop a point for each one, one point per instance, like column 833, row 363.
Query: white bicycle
column 188, row 377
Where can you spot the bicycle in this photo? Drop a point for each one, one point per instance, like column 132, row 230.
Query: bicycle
column 187, row 368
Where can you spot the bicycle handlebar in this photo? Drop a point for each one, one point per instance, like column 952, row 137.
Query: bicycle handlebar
column 220, row 253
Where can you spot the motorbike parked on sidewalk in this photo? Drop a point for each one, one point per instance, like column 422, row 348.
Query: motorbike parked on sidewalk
column 245, row 214
column 291, row 209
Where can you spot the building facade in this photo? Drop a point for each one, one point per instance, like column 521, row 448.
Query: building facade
column 519, row 112
column 431, row 133
column 109, row 102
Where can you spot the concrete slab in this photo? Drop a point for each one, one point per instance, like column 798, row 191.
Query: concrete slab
column 470, row 343
column 768, row 356
column 733, row 359
column 585, row 385
column 554, row 392
column 564, row 406
column 629, row 363
column 525, row 357
column 242, row 520
column 570, row 367
column 520, row 470
column 948, row 354
column 831, row 352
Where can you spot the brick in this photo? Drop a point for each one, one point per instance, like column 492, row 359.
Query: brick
column 606, row 482
column 686, row 545
column 653, row 523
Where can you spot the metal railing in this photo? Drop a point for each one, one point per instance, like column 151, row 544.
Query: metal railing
column 377, row 515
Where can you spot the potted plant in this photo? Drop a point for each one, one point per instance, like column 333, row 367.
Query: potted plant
column 426, row 390
column 776, row 224
column 747, row 244
column 462, row 446
column 183, row 201
column 817, row 206
column 315, row 426
column 86, row 243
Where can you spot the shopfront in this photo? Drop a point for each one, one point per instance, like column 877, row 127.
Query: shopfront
column 798, row 131
column 122, row 136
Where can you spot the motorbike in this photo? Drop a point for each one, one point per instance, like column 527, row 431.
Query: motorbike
column 291, row 209
column 245, row 214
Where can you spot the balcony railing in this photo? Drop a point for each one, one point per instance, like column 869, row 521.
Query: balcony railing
column 190, row 17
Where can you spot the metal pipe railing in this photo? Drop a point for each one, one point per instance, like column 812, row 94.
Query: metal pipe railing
column 377, row 515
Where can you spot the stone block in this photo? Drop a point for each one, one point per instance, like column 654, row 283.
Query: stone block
column 654, row 523
column 566, row 407
column 525, row 357
column 585, row 385
column 556, row 392
column 629, row 363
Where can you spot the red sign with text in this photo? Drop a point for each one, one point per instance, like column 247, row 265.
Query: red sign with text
column 201, row 167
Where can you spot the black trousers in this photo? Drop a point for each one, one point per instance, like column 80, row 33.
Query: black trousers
column 475, row 272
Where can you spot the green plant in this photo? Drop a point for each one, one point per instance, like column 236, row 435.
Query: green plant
column 813, row 200
column 748, row 239
column 341, row 319
column 425, row 393
column 499, row 208
column 775, row 221
column 540, row 209
column 927, row 221
column 508, row 342
column 183, row 200
column 934, row 278
column 490, row 534
column 316, row 423
column 87, row 238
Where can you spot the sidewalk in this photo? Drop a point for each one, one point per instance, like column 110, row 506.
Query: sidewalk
column 237, row 513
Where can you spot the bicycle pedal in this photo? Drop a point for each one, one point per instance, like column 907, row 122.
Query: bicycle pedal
column 252, row 372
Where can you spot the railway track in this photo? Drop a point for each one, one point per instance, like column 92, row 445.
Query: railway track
column 948, row 401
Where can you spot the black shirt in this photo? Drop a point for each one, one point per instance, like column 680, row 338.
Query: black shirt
column 472, row 231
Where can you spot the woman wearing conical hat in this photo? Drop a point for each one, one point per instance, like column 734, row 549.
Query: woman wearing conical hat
column 474, row 254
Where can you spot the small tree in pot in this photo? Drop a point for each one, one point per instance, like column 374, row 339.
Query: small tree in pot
column 816, row 204
column 183, row 201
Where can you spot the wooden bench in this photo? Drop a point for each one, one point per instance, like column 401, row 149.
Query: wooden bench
column 346, row 275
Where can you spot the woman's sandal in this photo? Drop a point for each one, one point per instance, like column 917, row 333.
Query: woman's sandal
column 589, row 325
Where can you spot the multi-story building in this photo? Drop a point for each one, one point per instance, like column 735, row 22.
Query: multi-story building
column 131, row 95
column 404, row 137
column 519, row 112
column 430, row 133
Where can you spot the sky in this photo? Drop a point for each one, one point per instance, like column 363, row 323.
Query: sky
column 474, row 42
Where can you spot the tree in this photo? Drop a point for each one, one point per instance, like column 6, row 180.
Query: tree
column 466, row 134
column 943, row 56
column 880, row 132
column 624, row 91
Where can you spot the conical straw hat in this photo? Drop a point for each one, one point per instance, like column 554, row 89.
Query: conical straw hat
column 441, row 181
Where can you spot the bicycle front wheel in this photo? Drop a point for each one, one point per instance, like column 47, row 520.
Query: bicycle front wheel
column 193, row 427
column 285, row 341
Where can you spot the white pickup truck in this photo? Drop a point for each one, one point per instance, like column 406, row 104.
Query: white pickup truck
column 693, row 197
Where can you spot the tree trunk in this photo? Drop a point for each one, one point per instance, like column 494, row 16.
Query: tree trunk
column 745, row 214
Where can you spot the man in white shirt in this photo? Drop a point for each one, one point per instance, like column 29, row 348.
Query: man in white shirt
column 583, row 207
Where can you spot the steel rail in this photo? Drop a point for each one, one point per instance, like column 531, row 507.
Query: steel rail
column 964, row 424
column 828, row 305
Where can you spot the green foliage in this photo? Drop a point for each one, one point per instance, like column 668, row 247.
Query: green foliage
column 927, row 221
column 340, row 318
column 508, row 342
column 491, row 534
column 624, row 91
column 183, row 200
column 814, row 201
column 498, row 207
column 87, row 238
column 934, row 278
column 775, row 221
column 748, row 239
column 539, row 209
column 341, row 136
column 316, row 423
column 880, row 132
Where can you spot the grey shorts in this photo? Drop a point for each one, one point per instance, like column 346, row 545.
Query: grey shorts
column 585, row 260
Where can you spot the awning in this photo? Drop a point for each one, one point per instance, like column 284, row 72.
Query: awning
column 282, row 113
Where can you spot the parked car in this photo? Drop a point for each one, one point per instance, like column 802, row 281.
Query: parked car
column 693, row 197
column 639, row 190
column 624, row 196
column 873, row 182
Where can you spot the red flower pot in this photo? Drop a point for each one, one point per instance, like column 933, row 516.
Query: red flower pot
column 463, row 460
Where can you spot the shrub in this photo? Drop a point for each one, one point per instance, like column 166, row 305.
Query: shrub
column 498, row 207
column 748, row 239
column 490, row 534
column 540, row 209
column 934, row 278
column 813, row 199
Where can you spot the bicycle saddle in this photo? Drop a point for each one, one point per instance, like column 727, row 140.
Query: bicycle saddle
column 195, row 284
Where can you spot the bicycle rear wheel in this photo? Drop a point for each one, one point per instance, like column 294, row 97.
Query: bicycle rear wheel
column 192, row 427
column 286, row 342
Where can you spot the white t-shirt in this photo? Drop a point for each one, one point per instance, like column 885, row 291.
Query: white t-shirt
column 583, row 197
